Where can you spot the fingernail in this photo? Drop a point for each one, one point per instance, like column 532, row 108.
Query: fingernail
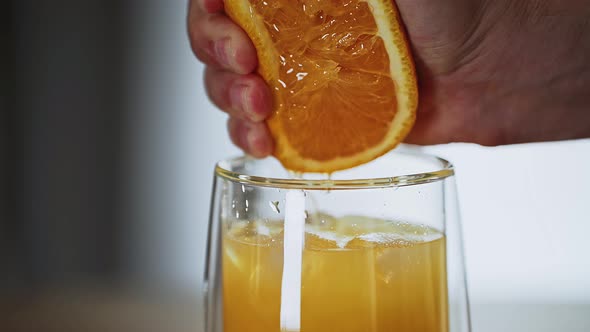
column 252, row 104
column 220, row 48
column 212, row 6
column 255, row 105
column 247, row 106
column 258, row 144
column 238, row 97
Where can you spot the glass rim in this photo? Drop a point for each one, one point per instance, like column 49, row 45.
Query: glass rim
column 445, row 171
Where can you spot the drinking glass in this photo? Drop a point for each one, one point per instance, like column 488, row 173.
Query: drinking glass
column 374, row 248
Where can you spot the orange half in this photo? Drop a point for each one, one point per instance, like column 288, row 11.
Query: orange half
column 342, row 76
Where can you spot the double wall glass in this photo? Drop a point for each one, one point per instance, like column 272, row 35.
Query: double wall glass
column 375, row 248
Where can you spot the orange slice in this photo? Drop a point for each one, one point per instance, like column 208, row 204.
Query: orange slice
column 342, row 77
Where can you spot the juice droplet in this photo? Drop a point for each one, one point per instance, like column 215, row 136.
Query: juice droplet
column 295, row 175
column 274, row 205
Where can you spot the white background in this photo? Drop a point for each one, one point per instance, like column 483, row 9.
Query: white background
column 526, row 208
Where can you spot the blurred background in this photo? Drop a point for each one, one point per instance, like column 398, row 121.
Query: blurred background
column 107, row 148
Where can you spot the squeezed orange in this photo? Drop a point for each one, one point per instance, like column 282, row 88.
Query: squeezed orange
column 357, row 274
column 339, row 71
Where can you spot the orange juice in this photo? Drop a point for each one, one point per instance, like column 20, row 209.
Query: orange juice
column 357, row 274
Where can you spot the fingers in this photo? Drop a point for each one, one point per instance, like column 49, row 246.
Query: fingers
column 253, row 138
column 248, row 101
column 231, row 58
column 245, row 97
column 219, row 42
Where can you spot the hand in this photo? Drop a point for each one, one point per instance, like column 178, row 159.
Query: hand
column 491, row 72
column 231, row 84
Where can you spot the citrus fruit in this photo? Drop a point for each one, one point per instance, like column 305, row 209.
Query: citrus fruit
column 341, row 74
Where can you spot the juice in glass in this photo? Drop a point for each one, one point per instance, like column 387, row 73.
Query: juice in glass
column 357, row 274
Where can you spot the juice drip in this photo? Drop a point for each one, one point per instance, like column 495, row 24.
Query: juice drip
column 295, row 175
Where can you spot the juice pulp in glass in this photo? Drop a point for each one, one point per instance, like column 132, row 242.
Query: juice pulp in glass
column 357, row 274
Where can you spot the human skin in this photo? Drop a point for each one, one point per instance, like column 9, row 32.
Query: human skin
column 490, row 72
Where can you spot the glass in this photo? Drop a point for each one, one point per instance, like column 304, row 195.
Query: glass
column 374, row 248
